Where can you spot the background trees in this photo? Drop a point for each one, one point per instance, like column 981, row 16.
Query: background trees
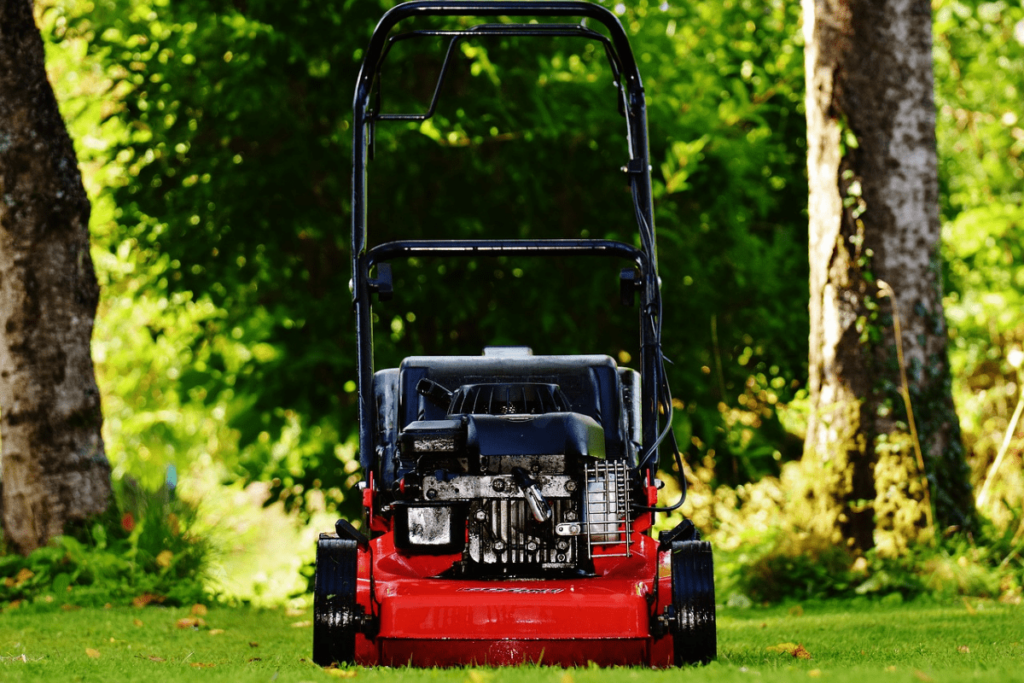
column 239, row 207
column 220, row 130
column 53, row 464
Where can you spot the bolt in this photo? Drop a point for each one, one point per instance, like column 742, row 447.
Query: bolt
column 531, row 546
column 561, row 558
column 481, row 515
column 431, row 494
column 562, row 545
column 570, row 486
column 499, row 546
column 498, row 485
column 571, row 516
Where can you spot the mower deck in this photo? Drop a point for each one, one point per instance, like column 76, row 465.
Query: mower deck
column 426, row 621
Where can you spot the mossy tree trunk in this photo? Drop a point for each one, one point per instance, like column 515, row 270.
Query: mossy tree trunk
column 874, row 217
column 54, row 468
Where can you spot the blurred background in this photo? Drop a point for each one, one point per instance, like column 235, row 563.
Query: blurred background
column 215, row 140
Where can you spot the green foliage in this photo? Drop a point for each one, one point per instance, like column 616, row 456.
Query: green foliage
column 979, row 50
column 790, row 567
column 227, row 141
column 140, row 550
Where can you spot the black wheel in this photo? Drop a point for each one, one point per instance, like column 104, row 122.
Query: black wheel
column 694, row 631
column 335, row 614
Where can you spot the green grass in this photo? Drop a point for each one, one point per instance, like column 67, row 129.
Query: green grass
column 859, row 642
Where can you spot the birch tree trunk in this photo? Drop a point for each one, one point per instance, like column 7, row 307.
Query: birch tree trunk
column 874, row 217
column 52, row 463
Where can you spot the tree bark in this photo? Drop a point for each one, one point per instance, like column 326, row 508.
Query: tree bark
column 52, row 462
column 874, row 216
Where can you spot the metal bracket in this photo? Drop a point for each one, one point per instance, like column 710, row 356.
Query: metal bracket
column 630, row 284
column 382, row 285
column 635, row 167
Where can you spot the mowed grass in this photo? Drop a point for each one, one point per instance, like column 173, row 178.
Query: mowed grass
column 858, row 642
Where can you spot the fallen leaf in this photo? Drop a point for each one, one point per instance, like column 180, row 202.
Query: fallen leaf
column 292, row 612
column 24, row 575
column 198, row 610
column 566, row 678
column 342, row 673
column 216, row 631
column 190, row 622
column 782, row 648
column 14, row 604
column 795, row 649
column 94, row 654
column 796, row 611
column 963, row 649
column 256, row 659
column 137, row 622
column 112, row 639
column 9, row 582
column 970, row 610
column 302, row 624
column 145, row 599
column 164, row 559
column 922, row 676
column 152, row 658
column 106, row 606
column 48, row 598
column 814, row 673
column 253, row 643
column 70, row 608
column 764, row 624
column 202, row 665
column 890, row 668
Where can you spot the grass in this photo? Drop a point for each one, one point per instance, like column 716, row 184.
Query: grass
column 855, row 641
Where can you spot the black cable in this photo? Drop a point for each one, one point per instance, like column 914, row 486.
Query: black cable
column 664, row 392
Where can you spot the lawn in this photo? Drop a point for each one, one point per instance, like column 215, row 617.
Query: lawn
column 861, row 642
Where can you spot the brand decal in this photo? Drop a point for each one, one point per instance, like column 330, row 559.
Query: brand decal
column 521, row 591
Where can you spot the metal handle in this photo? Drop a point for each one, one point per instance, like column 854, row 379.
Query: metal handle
column 515, row 8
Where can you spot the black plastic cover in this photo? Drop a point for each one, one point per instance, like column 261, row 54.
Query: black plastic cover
column 588, row 383
column 550, row 434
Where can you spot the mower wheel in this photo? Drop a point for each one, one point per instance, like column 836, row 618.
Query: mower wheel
column 693, row 624
column 335, row 614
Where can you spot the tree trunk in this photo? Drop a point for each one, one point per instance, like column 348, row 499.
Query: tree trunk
column 874, row 217
column 52, row 463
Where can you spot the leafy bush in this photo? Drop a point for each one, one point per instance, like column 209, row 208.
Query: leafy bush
column 140, row 551
column 789, row 566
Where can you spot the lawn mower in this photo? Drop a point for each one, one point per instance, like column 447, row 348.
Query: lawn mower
column 509, row 497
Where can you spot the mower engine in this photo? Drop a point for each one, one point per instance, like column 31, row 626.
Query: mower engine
column 529, row 475
column 511, row 476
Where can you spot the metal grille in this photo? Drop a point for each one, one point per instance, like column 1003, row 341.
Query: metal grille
column 606, row 507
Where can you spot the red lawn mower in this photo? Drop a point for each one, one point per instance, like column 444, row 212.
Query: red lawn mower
column 509, row 497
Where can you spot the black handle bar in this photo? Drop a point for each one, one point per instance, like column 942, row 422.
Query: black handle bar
column 515, row 8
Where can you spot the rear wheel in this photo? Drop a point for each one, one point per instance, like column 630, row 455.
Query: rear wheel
column 693, row 625
column 335, row 614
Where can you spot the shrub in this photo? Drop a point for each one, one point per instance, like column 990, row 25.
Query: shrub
column 140, row 551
